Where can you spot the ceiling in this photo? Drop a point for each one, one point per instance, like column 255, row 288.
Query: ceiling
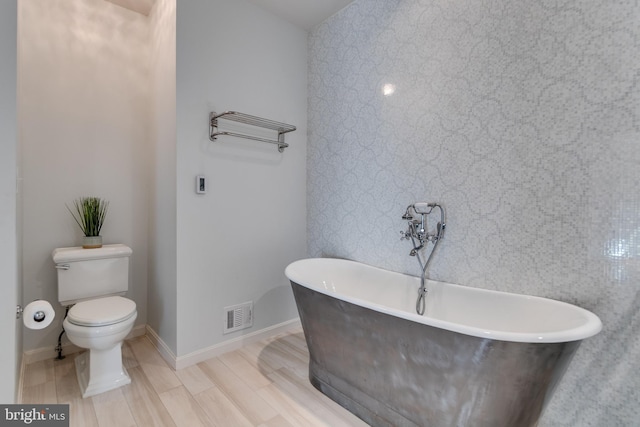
column 304, row 13
column 140, row 6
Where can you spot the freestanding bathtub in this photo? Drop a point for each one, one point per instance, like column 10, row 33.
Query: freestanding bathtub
column 477, row 358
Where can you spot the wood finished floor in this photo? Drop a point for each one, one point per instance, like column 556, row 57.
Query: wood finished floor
column 263, row 384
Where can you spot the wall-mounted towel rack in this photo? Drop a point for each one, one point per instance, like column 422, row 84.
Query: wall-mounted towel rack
column 234, row 116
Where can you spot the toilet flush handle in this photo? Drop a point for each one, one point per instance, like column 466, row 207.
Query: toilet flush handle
column 63, row 266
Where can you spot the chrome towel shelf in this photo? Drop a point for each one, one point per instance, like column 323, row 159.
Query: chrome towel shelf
column 234, row 116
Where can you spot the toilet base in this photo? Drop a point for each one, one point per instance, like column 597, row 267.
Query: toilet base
column 101, row 370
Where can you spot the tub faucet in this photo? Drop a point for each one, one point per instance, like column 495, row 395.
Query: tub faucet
column 417, row 228
column 418, row 232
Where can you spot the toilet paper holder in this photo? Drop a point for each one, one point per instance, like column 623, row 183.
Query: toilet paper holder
column 38, row 316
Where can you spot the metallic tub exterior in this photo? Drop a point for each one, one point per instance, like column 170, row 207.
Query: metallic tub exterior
column 394, row 372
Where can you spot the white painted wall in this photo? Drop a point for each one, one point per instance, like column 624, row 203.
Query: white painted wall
column 84, row 114
column 100, row 82
column 162, row 215
column 234, row 242
column 9, row 333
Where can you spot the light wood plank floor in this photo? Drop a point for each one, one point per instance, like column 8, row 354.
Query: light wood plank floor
column 263, row 384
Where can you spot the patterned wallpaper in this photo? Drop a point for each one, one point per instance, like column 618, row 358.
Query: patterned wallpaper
column 523, row 119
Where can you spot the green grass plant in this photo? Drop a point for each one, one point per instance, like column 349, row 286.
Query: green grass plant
column 89, row 213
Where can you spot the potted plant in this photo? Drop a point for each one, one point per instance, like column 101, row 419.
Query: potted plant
column 90, row 213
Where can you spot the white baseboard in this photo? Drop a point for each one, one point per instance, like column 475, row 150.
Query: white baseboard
column 162, row 348
column 181, row 362
column 45, row 353
column 176, row 362
column 23, row 366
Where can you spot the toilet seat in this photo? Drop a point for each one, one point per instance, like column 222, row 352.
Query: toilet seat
column 102, row 311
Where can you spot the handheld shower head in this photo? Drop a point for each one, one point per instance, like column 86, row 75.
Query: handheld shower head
column 423, row 208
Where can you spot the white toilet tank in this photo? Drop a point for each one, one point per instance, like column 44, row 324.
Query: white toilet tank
column 90, row 273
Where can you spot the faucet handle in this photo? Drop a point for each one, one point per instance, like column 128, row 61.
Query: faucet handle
column 404, row 235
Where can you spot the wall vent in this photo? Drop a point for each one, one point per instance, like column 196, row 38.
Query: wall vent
column 238, row 317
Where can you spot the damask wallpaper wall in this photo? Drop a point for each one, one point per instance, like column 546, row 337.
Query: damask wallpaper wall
column 523, row 119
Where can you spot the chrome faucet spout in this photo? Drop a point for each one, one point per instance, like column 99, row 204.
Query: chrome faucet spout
column 407, row 215
column 414, row 251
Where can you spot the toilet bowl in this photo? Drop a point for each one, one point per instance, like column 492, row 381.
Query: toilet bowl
column 92, row 283
column 100, row 325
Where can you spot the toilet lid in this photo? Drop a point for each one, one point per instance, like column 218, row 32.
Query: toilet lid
column 101, row 311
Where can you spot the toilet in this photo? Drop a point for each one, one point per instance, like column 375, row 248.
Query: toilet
column 93, row 282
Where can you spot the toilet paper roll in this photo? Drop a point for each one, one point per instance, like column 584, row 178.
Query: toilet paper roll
column 38, row 314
